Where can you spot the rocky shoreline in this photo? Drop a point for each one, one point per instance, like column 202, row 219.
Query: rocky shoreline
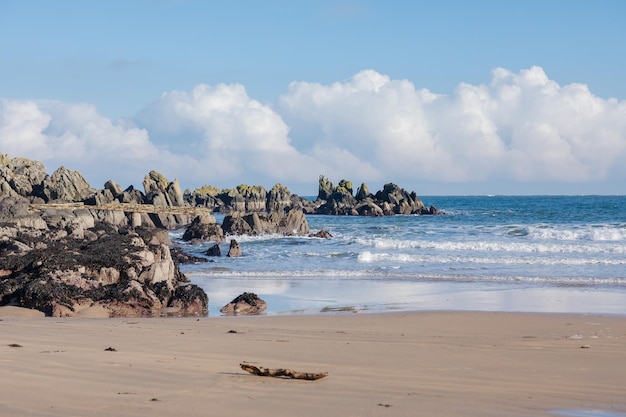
column 67, row 249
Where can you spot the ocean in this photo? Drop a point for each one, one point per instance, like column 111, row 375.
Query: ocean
column 560, row 254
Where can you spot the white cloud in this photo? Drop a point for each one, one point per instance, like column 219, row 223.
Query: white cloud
column 238, row 139
column 518, row 127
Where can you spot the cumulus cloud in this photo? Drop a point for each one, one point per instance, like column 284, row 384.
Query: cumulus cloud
column 75, row 135
column 234, row 137
column 517, row 127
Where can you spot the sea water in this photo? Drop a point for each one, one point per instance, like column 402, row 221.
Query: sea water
column 486, row 253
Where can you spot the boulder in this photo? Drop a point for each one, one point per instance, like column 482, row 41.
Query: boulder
column 322, row 234
column 204, row 228
column 214, row 250
column 23, row 176
column 245, row 304
column 234, row 251
column 181, row 257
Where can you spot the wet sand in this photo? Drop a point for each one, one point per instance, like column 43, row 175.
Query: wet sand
column 393, row 364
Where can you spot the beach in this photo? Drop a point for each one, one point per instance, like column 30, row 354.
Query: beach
column 408, row 363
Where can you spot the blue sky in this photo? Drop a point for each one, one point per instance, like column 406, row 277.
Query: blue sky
column 449, row 97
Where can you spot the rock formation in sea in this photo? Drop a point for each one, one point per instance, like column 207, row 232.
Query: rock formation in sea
column 390, row 200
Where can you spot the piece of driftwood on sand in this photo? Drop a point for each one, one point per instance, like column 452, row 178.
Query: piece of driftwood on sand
column 282, row 373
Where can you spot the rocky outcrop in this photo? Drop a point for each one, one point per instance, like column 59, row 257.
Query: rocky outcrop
column 64, row 262
column 291, row 223
column 21, row 176
column 388, row 201
column 279, row 198
column 160, row 192
column 66, row 186
column 204, row 228
column 245, row 304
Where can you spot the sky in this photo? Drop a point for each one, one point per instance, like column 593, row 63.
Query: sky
column 440, row 97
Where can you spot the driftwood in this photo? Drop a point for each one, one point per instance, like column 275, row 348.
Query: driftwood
column 282, row 373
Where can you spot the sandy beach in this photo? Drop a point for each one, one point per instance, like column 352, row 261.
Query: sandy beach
column 395, row 364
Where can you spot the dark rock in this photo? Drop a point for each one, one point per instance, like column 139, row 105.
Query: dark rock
column 234, row 251
column 181, row 257
column 322, row 234
column 214, row 250
column 245, row 304
column 118, row 271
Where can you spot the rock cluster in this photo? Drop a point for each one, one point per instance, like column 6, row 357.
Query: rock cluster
column 390, row 200
column 68, row 263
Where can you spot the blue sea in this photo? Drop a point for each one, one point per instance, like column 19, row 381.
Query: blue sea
column 562, row 254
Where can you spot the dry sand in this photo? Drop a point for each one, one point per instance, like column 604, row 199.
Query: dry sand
column 414, row 364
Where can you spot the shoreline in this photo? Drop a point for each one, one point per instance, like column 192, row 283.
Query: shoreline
column 445, row 363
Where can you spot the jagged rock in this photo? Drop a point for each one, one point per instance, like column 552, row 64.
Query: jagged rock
column 23, row 176
column 234, row 251
column 255, row 197
column 325, row 188
column 114, row 188
column 245, row 304
column 204, row 196
column 66, row 185
column 132, row 196
column 160, row 192
column 291, row 223
column 204, row 228
column 400, row 201
column 232, row 201
column 100, row 197
column 214, row 250
column 363, row 192
column 279, row 198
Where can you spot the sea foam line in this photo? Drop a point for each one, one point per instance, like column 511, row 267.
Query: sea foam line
column 500, row 246
column 370, row 257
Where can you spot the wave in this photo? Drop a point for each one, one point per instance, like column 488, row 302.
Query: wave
column 369, row 257
column 594, row 233
column 387, row 275
column 493, row 246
